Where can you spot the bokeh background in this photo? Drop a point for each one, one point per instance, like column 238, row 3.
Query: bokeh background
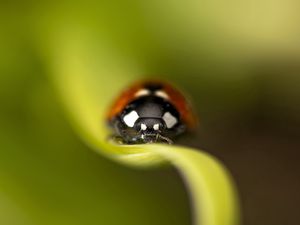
column 238, row 60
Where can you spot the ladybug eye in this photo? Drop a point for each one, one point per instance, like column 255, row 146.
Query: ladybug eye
column 143, row 126
column 156, row 126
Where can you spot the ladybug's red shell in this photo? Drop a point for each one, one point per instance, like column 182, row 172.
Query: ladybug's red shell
column 175, row 97
column 160, row 95
column 126, row 96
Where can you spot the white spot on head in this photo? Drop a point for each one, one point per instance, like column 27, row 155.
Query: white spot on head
column 169, row 119
column 130, row 118
column 142, row 92
column 162, row 94
column 143, row 126
column 156, row 126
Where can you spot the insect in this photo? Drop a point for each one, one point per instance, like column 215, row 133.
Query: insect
column 150, row 111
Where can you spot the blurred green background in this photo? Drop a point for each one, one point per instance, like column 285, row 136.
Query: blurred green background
column 240, row 63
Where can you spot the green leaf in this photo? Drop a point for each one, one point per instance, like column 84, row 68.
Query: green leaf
column 88, row 74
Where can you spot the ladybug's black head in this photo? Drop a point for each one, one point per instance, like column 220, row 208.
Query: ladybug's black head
column 149, row 119
column 149, row 129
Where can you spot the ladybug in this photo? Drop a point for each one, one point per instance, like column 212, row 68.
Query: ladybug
column 150, row 111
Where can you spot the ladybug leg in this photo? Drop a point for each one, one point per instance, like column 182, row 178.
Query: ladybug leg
column 157, row 137
column 168, row 140
column 115, row 139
